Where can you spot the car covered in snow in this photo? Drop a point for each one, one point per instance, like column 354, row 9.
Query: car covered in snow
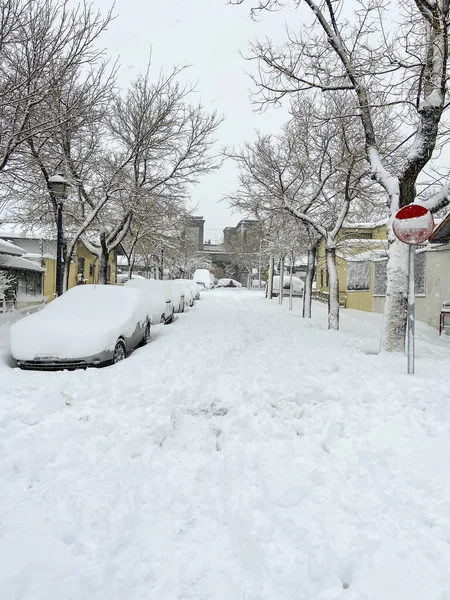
column 203, row 278
column 229, row 283
column 191, row 289
column 297, row 286
column 157, row 296
column 177, row 293
column 89, row 325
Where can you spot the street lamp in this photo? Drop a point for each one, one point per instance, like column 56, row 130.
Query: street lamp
column 60, row 189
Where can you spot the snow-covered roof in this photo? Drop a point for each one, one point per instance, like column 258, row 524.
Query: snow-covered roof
column 366, row 225
column 9, row 248
column 37, row 256
column 441, row 234
column 17, row 262
column 364, row 241
column 373, row 255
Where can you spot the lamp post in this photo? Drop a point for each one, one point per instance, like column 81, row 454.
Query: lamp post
column 60, row 189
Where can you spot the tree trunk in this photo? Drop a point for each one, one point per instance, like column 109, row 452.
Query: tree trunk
column 270, row 279
column 290, row 286
column 66, row 273
column 333, row 285
column 67, row 255
column 396, row 306
column 131, row 264
column 249, row 281
column 281, row 282
column 310, row 272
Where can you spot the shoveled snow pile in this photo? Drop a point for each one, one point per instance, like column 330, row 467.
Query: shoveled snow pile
column 84, row 321
column 246, row 453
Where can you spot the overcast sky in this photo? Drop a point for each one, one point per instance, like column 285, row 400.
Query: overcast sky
column 208, row 35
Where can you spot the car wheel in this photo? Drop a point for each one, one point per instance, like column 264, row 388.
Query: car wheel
column 120, row 352
column 147, row 333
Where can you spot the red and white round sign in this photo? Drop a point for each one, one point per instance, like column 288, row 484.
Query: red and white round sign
column 413, row 224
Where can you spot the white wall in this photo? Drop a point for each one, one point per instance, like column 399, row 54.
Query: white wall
column 438, row 287
column 428, row 307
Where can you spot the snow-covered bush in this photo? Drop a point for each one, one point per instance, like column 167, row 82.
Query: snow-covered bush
column 5, row 282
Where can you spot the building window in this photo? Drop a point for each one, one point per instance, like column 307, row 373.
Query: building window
column 358, row 275
column 92, row 270
column 420, row 276
column 81, row 266
column 108, row 273
column 379, row 286
column 321, row 278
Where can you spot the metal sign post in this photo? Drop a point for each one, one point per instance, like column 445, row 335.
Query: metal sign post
column 413, row 224
column 411, row 309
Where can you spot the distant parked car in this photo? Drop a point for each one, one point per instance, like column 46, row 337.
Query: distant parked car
column 89, row 325
column 257, row 284
column 204, row 278
column 124, row 277
column 158, row 297
column 229, row 283
column 177, row 292
column 297, row 286
column 190, row 290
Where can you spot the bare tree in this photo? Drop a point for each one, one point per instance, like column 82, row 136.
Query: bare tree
column 312, row 171
column 166, row 144
column 41, row 43
column 78, row 106
column 244, row 249
column 403, row 66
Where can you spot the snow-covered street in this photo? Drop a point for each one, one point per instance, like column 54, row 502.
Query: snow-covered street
column 244, row 454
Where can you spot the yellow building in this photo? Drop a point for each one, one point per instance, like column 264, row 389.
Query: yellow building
column 83, row 269
column 358, row 246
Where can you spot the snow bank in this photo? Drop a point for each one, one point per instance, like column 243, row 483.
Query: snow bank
column 84, row 321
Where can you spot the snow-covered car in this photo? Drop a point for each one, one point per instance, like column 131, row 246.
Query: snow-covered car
column 177, row 293
column 89, row 325
column 124, row 277
column 191, row 291
column 297, row 286
column 197, row 290
column 157, row 296
column 229, row 283
column 203, row 278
